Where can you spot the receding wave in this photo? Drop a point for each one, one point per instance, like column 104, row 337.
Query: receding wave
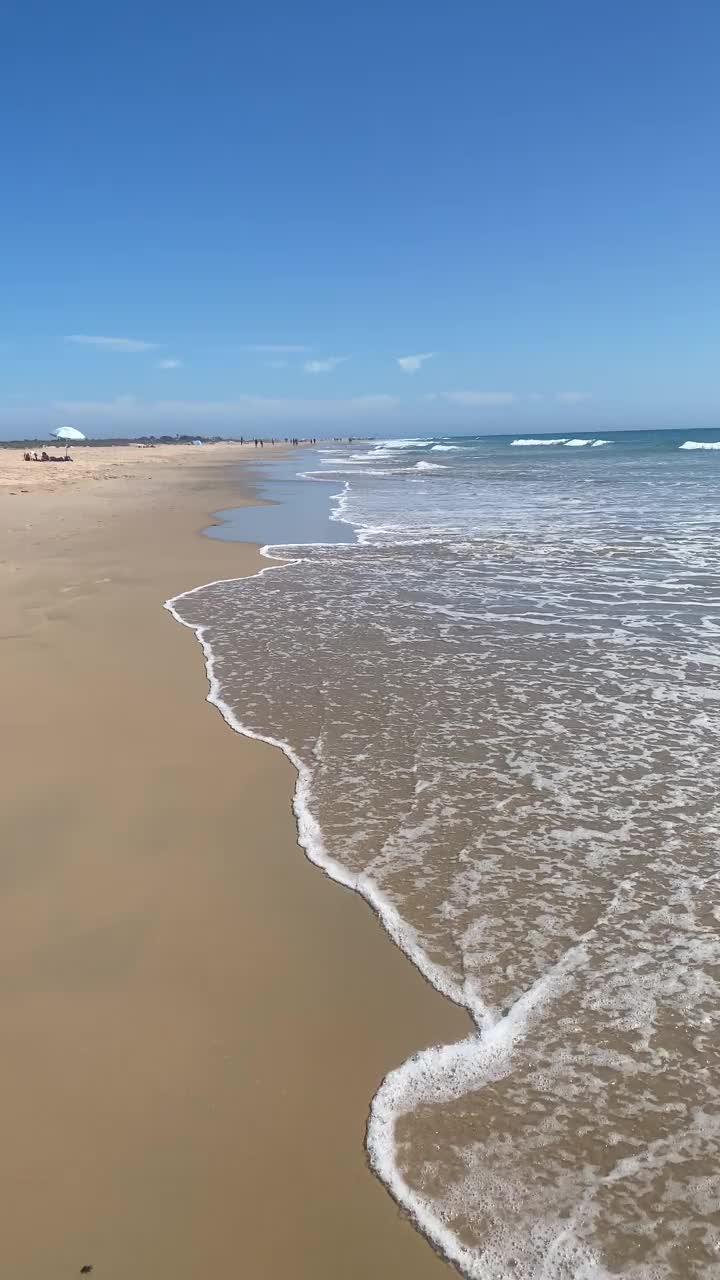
column 499, row 705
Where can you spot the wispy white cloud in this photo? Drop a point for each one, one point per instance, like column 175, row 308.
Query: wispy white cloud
column 411, row 364
column 275, row 348
column 573, row 397
column 479, row 399
column 324, row 366
column 169, row 364
column 112, row 344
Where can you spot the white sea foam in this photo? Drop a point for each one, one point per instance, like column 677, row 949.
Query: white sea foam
column 575, row 442
column 430, row 466
column 352, row 460
column 700, row 444
column 445, row 448
column 531, row 816
column 360, row 470
column 404, row 444
column 515, row 444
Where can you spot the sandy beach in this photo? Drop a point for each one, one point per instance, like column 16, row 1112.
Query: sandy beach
column 194, row 1018
column 93, row 465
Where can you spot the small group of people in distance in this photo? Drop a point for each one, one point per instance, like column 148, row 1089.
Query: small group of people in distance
column 45, row 457
column 296, row 440
column 260, row 444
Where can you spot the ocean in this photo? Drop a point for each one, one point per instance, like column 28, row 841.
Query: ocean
column 494, row 662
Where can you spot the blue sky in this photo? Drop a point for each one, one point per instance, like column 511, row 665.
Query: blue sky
column 242, row 217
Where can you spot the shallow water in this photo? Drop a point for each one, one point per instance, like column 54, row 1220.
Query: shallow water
column 503, row 700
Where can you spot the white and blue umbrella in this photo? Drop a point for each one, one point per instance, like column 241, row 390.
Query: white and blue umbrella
column 68, row 433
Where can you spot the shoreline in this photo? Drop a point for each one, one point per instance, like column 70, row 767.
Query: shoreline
column 188, row 1095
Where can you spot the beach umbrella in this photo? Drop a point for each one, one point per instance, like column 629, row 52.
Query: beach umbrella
column 66, row 434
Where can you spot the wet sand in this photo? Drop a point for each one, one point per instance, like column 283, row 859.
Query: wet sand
column 194, row 1018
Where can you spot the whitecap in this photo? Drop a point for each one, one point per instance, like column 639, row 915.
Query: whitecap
column 404, row 444
column 528, row 441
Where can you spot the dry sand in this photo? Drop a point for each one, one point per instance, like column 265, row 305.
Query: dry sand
column 194, row 1019
column 93, row 463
